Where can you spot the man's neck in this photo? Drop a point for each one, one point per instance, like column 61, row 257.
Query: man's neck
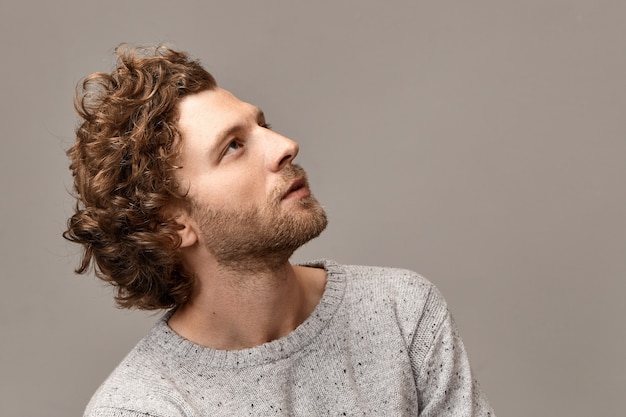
column 240, row 309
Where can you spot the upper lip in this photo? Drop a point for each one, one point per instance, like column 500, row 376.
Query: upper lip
column 299, row 183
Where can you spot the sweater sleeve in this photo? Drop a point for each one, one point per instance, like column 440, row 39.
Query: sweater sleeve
column 445, row 384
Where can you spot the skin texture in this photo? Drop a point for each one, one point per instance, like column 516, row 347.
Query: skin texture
column 250, row 209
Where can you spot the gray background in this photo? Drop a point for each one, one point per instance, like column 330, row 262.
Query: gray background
column 481, row 143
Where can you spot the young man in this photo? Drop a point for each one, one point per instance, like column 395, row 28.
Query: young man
column 187, row 201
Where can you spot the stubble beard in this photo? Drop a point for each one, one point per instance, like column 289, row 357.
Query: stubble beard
column 261, row 239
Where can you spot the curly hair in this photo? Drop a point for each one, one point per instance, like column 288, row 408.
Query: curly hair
column 123, row 164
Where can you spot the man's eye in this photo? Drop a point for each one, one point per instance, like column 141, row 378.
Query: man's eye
column 266, row 126
column 233, row 146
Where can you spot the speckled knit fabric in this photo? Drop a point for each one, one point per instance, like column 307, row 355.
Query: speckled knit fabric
column 380, row 343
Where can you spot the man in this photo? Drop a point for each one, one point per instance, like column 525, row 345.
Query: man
column 187, row 201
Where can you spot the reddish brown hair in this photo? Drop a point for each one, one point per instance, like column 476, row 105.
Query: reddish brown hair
column 123, row 163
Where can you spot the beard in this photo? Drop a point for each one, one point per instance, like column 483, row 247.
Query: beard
column 261, row 238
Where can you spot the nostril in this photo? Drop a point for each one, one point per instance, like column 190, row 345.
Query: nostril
column 285, row 160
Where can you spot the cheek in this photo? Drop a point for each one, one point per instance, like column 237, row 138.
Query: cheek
column 244, row 181
column 233, row 191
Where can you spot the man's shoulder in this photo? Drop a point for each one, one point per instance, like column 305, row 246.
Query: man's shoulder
column 387, row 300
column 139, row 385
column 379, row 290
column 388, row 279
column 378, row 282
column 386, row 273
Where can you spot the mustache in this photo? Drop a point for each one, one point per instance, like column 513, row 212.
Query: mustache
column 292, row 173
column 289, row 174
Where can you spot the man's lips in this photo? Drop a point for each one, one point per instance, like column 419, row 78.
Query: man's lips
column 298, row 189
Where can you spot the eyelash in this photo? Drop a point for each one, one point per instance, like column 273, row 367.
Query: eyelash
column 263, row 125
column 228, row 147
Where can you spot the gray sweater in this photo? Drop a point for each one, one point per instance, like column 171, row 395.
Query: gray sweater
column 381, row 342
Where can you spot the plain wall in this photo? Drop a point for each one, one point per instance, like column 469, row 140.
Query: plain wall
column 481, row 143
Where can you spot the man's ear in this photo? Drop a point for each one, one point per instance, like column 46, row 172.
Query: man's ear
column 187, row 231
column 186, row 228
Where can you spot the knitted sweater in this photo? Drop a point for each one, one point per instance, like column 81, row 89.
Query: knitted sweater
column 379, row 343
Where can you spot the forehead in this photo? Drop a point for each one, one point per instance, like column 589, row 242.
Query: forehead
column 212, row 109
column 207, row 121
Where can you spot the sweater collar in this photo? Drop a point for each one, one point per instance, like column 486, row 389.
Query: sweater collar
column 164, row 339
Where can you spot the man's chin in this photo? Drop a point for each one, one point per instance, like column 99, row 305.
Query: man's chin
column 297, row 227
column 262, row 240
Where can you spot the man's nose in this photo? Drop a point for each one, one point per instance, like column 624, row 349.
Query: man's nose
column 280, row 151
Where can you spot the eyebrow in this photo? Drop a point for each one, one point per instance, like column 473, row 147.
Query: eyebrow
column 259, row 115
column 224, row 134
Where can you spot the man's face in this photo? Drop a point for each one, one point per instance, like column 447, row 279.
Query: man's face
column 250, row 205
